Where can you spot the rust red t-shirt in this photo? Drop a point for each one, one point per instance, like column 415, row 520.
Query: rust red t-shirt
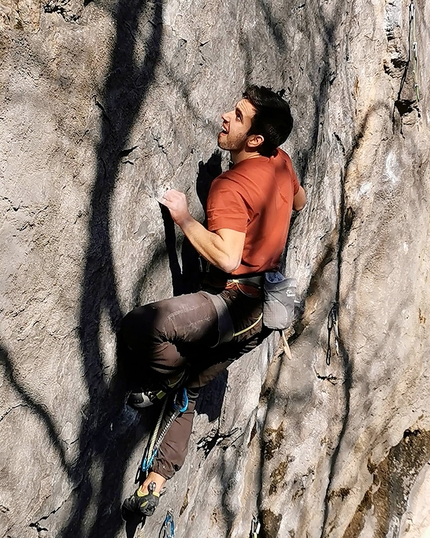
column 255, row 197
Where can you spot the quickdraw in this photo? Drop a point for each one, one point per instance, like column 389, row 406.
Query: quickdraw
column 332, row 325
column 168, row 528
column 255, row 527
column 182, row 407
column 413, row 40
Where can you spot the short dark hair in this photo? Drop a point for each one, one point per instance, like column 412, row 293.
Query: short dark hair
column 272, row 119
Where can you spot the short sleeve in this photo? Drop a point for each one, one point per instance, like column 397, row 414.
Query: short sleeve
column 295, row 182
column 226, row 207
column 289, row 164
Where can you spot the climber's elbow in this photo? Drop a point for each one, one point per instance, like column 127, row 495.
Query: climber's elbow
column 299, row 200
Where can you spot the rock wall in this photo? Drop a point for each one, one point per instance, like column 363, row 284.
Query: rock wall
column 105, row 106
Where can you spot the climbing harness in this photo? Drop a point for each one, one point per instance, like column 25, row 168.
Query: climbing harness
column 413, row 40
column 168, row 528
column 332, row 325
column 250, row 327
column 225, row 323
column 255, row 527
column 157, row 438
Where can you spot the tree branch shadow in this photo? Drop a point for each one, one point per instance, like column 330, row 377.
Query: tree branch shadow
column 345, row 224
column 37, row 409
column 124, row 92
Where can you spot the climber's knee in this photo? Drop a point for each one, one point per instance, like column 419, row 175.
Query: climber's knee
column 137, row 327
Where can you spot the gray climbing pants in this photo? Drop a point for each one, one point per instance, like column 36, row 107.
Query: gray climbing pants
column 174, row 335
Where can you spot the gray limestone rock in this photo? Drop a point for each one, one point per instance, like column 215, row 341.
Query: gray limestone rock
column 106, row 105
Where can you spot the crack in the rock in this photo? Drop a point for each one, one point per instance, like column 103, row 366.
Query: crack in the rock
column 330, row 377
column 102, row 108
column 37, row 524
column 342, row 147
column 38, row 527
column 6, row 413
column 404, row 106
column 126, row 152
column 160, row 145
column 216, row 438
column 61, row 7
column 346, row 217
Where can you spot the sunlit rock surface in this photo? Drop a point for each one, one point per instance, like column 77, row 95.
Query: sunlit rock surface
column 104, row 107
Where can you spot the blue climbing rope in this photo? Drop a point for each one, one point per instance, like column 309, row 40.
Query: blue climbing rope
column 147, row 461
column 155, row 443
column 184, row 406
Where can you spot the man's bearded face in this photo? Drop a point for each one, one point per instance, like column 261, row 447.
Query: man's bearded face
column 235, row 126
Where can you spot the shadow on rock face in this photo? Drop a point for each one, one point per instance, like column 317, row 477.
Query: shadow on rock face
column 124, row 93
column 207, row 173
column 212, row 396
column 188, row 279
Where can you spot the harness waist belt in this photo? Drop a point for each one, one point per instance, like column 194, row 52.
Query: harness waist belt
column 256, row 281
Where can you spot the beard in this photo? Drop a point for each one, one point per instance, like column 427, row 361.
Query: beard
column 231, row 142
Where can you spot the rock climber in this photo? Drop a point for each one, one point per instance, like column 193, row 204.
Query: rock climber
column 185, row 341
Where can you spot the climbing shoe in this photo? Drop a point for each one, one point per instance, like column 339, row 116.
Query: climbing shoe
column 145, row 398
column 143, row 504
column 140, row 400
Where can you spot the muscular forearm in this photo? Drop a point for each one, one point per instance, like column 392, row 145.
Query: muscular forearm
column 222, row 248
column 210, row 245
